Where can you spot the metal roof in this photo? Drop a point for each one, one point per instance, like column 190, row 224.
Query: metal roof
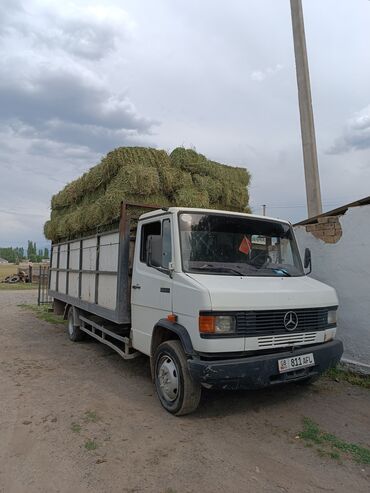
column 335, row 212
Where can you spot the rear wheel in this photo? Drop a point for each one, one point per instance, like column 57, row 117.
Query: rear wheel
column 74, row 332
column 176, row 390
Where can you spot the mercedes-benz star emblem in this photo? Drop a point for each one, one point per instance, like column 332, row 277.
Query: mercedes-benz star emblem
column 290, row 321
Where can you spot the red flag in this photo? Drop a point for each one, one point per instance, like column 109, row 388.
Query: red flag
column 245, row 246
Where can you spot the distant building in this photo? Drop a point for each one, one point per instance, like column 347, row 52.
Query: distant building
column 3, row 261
column 339, row 242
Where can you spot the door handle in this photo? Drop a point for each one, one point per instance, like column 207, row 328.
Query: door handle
column 136, row 286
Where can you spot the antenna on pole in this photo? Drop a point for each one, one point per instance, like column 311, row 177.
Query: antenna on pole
column 311, row 168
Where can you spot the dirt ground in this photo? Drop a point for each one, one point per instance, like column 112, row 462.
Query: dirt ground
column 75, row 417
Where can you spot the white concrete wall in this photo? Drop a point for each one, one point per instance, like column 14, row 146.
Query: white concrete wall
column 345, row 265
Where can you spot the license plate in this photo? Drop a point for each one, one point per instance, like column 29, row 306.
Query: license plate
column 294, row 362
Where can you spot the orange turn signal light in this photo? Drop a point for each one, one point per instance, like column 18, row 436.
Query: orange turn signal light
column 206, row 324
column 172, row 317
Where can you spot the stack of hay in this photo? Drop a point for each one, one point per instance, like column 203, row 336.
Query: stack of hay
column 145, row 176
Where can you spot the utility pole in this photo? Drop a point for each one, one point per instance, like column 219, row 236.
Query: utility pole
column 311, row 169
column 263, row 209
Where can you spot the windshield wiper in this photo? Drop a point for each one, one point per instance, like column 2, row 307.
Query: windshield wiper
column 284, row 271
column 213, row 268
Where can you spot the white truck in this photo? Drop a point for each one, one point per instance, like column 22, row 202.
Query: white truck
column 214, row 298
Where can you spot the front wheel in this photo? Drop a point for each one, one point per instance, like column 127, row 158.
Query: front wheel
column 177, row 391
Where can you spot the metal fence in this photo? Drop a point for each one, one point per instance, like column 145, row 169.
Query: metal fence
column 43, row 297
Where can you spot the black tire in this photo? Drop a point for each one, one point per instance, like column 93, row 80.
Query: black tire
column 74, row 332
column 13, row 279
column 170, row 358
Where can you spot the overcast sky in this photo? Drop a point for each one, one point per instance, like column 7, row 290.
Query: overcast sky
column 80, row 78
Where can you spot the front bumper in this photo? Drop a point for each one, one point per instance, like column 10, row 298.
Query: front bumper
column 262, row 371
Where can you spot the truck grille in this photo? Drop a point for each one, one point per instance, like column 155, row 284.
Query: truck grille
column 271, row 322
column 283, row 340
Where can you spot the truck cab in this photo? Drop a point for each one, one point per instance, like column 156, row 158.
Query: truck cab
column 221, row 299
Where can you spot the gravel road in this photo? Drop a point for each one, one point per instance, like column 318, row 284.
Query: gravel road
column 75, row 417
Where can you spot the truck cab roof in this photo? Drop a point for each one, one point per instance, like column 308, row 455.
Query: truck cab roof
column 175, row 210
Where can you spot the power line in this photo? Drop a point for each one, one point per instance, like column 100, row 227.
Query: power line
column 292, row 206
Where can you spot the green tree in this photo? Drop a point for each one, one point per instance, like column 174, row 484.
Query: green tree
column 13, row 255
column 29, row 249
column 32, row 251
column 7, row 254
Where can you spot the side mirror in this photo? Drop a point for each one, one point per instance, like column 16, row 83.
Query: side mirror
column 307, row 260
column 154, row 258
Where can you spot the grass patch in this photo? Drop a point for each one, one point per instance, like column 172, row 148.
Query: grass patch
column 19, row 286
column 91, row 417
column 76, row 428
column 42, row 312
column 7, row 270
column 91, row 445
column 334, row 455
column 330, row 445
column 343, row 374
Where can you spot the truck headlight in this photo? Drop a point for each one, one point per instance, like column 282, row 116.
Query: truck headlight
column 332, row 317
column 224, row 324
column 216, row 324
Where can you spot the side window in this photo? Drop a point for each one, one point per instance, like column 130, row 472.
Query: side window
column 147, row 230
column 166, row 243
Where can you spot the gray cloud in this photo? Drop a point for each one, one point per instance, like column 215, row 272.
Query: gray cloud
column 31, row 170
column 70, row 107
column 9, row 9
column 67, row 96
column 48, row 90
column 59, row 110
column 356, row 135
column 89, row 32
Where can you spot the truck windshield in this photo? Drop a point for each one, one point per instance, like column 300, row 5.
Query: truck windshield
column 232, row 245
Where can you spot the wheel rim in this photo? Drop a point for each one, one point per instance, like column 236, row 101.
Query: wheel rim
column 70, row 325
column 168, row 379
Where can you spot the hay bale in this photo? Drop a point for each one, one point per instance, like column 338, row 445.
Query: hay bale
column 144, row 176
column 239, row 198
column 189, row 160
column 213, row 187
column 191, row 197
column 103, row 173
column 231, row 173
column 50, row 229
column 137, row 180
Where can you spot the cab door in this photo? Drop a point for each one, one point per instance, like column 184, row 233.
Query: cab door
column 151, row 289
